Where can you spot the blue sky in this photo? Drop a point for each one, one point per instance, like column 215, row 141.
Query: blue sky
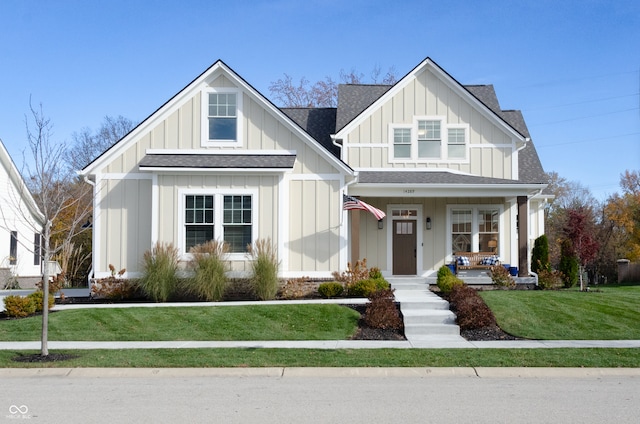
column 572, row 67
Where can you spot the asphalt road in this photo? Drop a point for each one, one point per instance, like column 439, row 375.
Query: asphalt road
column 318, row 396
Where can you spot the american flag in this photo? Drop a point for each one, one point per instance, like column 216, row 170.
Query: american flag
column 349, row 203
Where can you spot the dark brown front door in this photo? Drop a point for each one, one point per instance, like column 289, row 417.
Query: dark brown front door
column 404, row 247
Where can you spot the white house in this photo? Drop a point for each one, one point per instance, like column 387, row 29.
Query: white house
column 21, row 225
column 447, row 166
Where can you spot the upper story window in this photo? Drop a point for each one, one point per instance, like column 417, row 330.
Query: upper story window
column 429, row 140
column 222, row 117
column 402, row 142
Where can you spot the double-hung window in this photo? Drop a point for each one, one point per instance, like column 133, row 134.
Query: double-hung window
column 223, row 216
column 456, row 143
column 429, row 139
column 402, row 142
column 221, row 120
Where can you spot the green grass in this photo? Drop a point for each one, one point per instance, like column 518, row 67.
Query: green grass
column 190, row 358
column 260, row 322
column 609, row 313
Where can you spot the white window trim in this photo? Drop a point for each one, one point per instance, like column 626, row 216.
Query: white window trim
column 475, row 233
column 218, row 234
column 205, row 142
column 444, row 141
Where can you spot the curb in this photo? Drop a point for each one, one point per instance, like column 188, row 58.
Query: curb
column 314, row 372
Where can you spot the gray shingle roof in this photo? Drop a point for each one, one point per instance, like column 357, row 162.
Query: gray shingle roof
column 320, row 123
column 429, row 177
column 284, row 161
column 355, row 98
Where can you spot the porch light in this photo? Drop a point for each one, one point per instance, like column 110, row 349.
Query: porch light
column 380, row 224
column 428, row 223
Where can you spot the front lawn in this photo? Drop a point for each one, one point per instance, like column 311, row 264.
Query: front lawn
column 259, row 322
column 605, row 313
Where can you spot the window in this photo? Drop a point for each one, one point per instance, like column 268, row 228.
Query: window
column 218, row 216
column 37, row 248
column 475, row 228
column 13, row 248
column 456, row 143
column 488, row 230
column 237, row 222
column 429, row 139
column 222, row 116
column 461, row 231
column 402, row 142
column 198, row 212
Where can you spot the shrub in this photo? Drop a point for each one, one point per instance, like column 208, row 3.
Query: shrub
column 353, row 274
column 549, row 280
column 568, row 266
column 19, row 306
column 115, row 289
column 297, row 288
column 159, row 278
column 37, row 298
column 540, row 255
column 446, row 280
column 501, row 277
column 209, row 263
column 381, row 311
column 470, row 309
column 265, row 269
column 330, row 290
column 375, row 273
column 364, row 288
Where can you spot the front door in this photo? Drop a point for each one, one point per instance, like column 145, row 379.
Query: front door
column 404, row 247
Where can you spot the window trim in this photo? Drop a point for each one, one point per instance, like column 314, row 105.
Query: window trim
column 414, row 149
column 218, row 218
column 13, row 248
column 205, row 141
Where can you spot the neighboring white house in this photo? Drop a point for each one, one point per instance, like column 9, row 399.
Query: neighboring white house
column 449, row 168
column 21, row 225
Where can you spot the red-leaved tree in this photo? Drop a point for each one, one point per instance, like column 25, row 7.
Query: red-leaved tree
column 579, row 229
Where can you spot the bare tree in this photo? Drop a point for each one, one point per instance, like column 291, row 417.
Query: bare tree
column 87, row 144
column 49, row 180
column 323, row 93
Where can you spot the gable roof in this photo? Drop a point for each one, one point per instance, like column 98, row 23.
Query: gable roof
column 320, row 123
column 16, row 178
column 186, row 94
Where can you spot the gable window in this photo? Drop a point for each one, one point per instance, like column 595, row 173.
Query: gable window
column 456, row 143
column 218, row 215
column 221, row 120
column 402, row 142
column 429, row 140
column 13, row 248
column 475, row 228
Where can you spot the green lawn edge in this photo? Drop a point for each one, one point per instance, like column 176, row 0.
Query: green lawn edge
column 267, row 357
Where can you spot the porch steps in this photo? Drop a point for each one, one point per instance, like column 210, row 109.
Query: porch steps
column 426, row 315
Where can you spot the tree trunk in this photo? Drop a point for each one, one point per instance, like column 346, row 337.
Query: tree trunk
column 44, row 349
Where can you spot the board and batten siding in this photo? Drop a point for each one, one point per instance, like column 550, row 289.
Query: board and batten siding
column 312, row 236
column 490, row 151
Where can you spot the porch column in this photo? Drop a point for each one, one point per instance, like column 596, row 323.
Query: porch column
column 523, row 237
column 355, row 236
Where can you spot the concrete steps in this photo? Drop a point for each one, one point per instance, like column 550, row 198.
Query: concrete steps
column 425, row 314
